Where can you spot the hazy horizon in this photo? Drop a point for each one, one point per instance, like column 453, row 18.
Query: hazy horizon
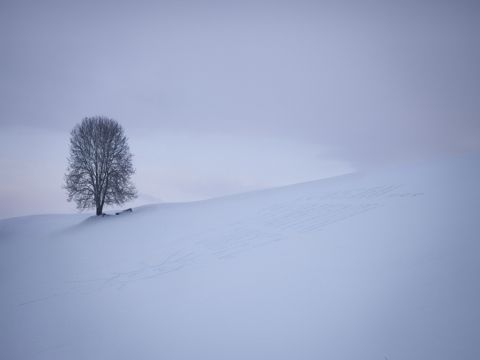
column 220, row 98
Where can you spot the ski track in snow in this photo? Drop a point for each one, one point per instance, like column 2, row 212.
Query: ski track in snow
column 275, row 222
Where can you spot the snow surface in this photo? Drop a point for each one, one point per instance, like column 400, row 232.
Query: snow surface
column 380, row 265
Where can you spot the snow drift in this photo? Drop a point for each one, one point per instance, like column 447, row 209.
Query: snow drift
column 366, row 266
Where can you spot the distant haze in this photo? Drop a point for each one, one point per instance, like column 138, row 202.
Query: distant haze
column 230, row 96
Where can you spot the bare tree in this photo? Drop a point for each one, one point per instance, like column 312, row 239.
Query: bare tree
column 99, row 165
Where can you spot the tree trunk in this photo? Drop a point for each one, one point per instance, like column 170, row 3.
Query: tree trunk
column 99, row 210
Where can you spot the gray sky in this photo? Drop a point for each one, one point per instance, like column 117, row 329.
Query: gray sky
column 219, row 97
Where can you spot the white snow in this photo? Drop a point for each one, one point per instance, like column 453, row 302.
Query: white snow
column 380, row 265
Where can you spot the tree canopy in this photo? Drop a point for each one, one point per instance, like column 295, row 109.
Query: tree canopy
column 99, row 165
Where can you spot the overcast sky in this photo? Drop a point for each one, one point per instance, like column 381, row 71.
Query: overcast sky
column 219, row 97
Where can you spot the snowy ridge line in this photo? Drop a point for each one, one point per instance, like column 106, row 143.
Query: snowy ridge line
column 359, row 267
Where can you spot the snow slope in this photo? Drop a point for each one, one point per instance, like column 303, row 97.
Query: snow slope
column 367, row 266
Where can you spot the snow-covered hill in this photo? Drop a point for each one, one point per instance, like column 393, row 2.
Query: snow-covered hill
column 371, row 266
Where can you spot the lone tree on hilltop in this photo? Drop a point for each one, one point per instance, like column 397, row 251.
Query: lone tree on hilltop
column 99, row 165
